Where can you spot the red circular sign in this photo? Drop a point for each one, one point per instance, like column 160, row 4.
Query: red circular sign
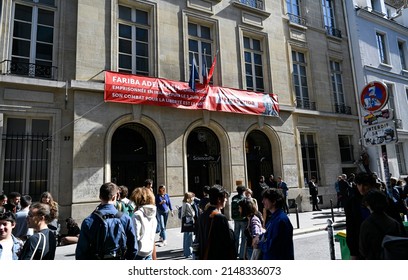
column 374, row 96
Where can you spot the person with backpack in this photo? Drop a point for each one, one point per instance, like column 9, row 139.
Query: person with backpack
column 240, row 222
column 107, row 233
column 123, row 203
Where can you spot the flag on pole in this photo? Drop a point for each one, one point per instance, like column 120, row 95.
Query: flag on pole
column 204, row 70
column 193, row 74
column 211, row 72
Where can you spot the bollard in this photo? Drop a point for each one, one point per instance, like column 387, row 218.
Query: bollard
column 297, row 216
column 332, row 211
column 331, row 239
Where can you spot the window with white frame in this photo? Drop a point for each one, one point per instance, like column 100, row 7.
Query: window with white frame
column 293, row 7
column 328, row 17
column 200, row 45
column 402, row 165
column 382, row 47
column 346, row 149
column 300, row 79
column 337, row 83
column 391, row 98
column 309, row 156
column 253, row 64
column 402, row 54
column 134, row 40
column 33, row 39
column 26, row 156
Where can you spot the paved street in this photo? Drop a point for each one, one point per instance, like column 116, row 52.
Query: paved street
column 311, row 240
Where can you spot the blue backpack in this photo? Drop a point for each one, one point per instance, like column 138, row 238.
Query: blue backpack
column 110, row 240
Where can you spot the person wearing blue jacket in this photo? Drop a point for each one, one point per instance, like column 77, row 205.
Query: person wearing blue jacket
column 89, row 228
column 277, row 242
column 164, row 207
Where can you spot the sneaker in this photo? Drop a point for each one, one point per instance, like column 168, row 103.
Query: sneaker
column 164, row 242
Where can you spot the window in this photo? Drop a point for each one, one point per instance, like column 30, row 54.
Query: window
column 391, row 98
column 300, row 80
column 253, row 3
column 309, row 156
column 293, row 7
column 134, row 36
column 294, row 13
column 337, row 88
column 200, row 42
column 402, row 54
column 26, row 156
column 253, row 64
column 402, row 166
column 382, row 51
column 346, row 149
column 406, row 93
column 328, row 16
column 33, row 39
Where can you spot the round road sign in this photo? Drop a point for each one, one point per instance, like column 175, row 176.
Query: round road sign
column 374, row 96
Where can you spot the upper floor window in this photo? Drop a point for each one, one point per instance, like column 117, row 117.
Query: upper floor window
column 300, row 81
column 382, row 49
column 253, row 64
column 258, row 4
column 133, row 41
column 402, row 165
column 33, row 39
column 402, row 54
column 337, row 88
column 200, row 45
column 294, row 12
column 329, row 18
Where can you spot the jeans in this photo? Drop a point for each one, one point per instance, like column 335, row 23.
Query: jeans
column 187, row 241
column 239, row 228
column 162, row 223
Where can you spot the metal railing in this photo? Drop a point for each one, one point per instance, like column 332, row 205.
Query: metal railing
column 258, row 4
column 330, row 30
column 296, row 19
column 342, row 109
column 305, row 104
column 30, row 69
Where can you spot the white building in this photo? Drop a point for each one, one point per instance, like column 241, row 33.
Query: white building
column 378, row 36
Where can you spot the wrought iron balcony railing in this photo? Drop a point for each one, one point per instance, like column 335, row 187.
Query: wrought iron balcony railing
column 297, row 19
column 342, row 109
column 330, row 30
column 30, row 69
column 305, row 104
column 258, row 4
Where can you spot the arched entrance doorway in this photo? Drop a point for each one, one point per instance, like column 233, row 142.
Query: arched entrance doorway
column 258, row 156
column 133, row 156
column 203, row 160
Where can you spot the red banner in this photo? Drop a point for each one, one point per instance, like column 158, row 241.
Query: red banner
column 127, row 88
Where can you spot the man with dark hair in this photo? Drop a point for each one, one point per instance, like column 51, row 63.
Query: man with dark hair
column 205, row 199
column 13, row 203
column 10, row 246
column 214, row 236
column 240, row 223
column 277, row 242
column 87, row 242
column 21, row 228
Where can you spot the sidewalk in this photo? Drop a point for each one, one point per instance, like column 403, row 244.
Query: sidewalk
column 308, row 222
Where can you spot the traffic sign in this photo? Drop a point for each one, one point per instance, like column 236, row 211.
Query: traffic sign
column 380, row 134
column 374, row 96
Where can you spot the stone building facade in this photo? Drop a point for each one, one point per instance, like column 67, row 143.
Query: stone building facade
column 60, row 135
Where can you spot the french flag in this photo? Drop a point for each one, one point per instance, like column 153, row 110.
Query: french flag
column 211, row 72
column 193, row 74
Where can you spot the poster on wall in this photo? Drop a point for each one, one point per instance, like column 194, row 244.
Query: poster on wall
column 133, row 89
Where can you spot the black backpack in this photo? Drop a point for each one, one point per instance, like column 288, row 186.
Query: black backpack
column 110, row 240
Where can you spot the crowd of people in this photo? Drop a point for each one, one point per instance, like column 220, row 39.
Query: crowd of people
column 30, row 230
column 373, row 210
column 125, row 226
